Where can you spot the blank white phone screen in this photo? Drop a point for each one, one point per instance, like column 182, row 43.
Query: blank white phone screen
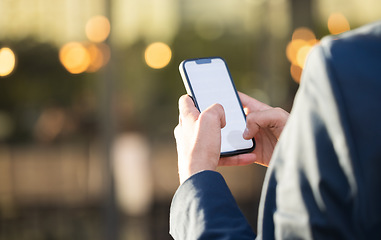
column 211, row 83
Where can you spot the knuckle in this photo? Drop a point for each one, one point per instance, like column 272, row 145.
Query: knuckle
column 281, row 112
column 219, row 107
column 250, row 118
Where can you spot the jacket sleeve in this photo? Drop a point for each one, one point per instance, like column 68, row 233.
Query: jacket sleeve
column 204, row 208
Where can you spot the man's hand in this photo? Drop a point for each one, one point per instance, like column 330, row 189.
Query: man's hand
column 265, row 124
column 198, row 137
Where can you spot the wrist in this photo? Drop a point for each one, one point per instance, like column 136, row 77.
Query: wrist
column 194, row 165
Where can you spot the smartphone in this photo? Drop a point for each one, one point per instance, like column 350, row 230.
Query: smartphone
column 208, row 81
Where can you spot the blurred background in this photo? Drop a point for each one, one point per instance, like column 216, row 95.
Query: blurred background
column 88, row 102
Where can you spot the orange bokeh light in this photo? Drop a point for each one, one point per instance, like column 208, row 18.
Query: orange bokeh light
column 293, row 48
column 7, row 61
column 301, row 57
column 303, row 33
column 96, row 58
column 98, row 29
column 296, row 72
column 79, row 57
column 99, row 56
column 303, row 39
column 158, row 55
column 337, row 23
column 74, row 57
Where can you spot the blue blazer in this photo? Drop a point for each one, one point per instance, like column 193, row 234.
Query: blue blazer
column 324, row 179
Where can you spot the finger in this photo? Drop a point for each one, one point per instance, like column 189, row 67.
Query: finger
column 187, row 109
column 176, row 131
column 255, row 121
column 238, row 160
column 215, row 113
column 273, row 119
column 252, row 104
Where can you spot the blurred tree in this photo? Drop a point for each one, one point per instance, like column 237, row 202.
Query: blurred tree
column 302, row 14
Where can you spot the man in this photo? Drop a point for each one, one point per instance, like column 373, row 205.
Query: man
column 324, row 178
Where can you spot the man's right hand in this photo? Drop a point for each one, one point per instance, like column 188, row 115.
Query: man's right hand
column 265, row 124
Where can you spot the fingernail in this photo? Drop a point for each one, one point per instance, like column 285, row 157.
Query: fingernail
column 245, row 133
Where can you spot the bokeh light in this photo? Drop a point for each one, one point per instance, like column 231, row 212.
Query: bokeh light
column 99, row 56
column 98, row 29
column 158, row 55
column 296, row 72
column 96, row 58
column 292, row 49
column 74, row 57
column 7, row 61
column 338, row 23
column 303, row 39
column 302, row 55
column 303, row 33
